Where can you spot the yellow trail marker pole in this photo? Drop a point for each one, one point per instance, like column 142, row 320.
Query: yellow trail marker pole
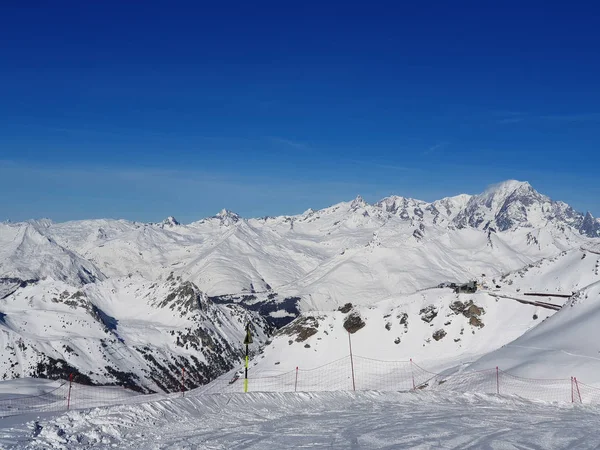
column 247, row 341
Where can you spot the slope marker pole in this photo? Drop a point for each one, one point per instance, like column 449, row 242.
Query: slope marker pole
column 497, row 381
column 572, row 393
column 296, row 383
column 578, row 392
column 69, row 395
column 351, row 362
column 183, row 381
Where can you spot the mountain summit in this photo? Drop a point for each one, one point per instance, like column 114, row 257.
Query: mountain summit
column 514, row 204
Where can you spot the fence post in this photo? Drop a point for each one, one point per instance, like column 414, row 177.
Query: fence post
column 497, row 381
column 351, row 362
column 183, row 381
column 412, row 373
column 296, row 383
column 572, row 393
column 578, row 392
column 69, row 395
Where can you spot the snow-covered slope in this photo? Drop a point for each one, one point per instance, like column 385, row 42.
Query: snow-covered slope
column 567, row 343
column 77, row 284
column 125, row 331
column 435, row 327
column 335, row 420
column 28, row 252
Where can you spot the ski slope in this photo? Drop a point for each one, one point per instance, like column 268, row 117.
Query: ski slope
column 564, row 345
column 341, row 420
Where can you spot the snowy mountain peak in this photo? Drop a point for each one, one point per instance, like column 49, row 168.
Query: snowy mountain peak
column 171, row 221
column 508, row 187
column 590, row 226
column 505, row 206
column 358, row 202
column 227, row 217
column 498, row 194
column 41, row 223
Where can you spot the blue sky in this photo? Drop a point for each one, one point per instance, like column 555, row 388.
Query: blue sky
column 114, row 109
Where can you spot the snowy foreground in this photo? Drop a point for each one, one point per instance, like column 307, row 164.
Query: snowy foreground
column 340, row 420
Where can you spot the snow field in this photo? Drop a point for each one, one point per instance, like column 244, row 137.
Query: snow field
column 339, row 420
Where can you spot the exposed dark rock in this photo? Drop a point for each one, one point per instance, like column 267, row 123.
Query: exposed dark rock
column 439, row 334
column 428, row 313
column 302, row 328
column 353, row 323
column 403, row 319
column 186, row 298
column 346, row 308
column 476, row 322
column 470, row 311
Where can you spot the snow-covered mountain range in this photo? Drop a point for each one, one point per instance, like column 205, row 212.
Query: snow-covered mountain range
column 133, row 303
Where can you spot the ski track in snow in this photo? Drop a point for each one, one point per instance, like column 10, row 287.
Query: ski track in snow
column 340, row 420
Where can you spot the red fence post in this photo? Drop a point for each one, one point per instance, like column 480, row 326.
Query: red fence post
column 351, row 362
column 412, row 373
column 578, row 392
column 296, row 383
column 69, row 395
column 183, row 381
column 497, row 381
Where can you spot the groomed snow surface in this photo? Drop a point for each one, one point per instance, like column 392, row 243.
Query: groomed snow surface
column 339, row 420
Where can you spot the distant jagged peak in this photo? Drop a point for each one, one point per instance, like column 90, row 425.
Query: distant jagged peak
column 590, row 226
column 227, row 213
column 227, row 217
column 358, row 202
column 459, row 200
column 448, row 207
column 394, row 202
column 171, row 221
column 497, row 194
column 508, row 186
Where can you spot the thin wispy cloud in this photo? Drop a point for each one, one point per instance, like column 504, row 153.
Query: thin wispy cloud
column 585, row 117
column 510, row 120
column 435, row 148
column 386, row 166
column 508, row 117
column 289, row 143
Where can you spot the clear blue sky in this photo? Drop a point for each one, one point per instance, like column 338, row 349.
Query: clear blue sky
column 140, row 110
